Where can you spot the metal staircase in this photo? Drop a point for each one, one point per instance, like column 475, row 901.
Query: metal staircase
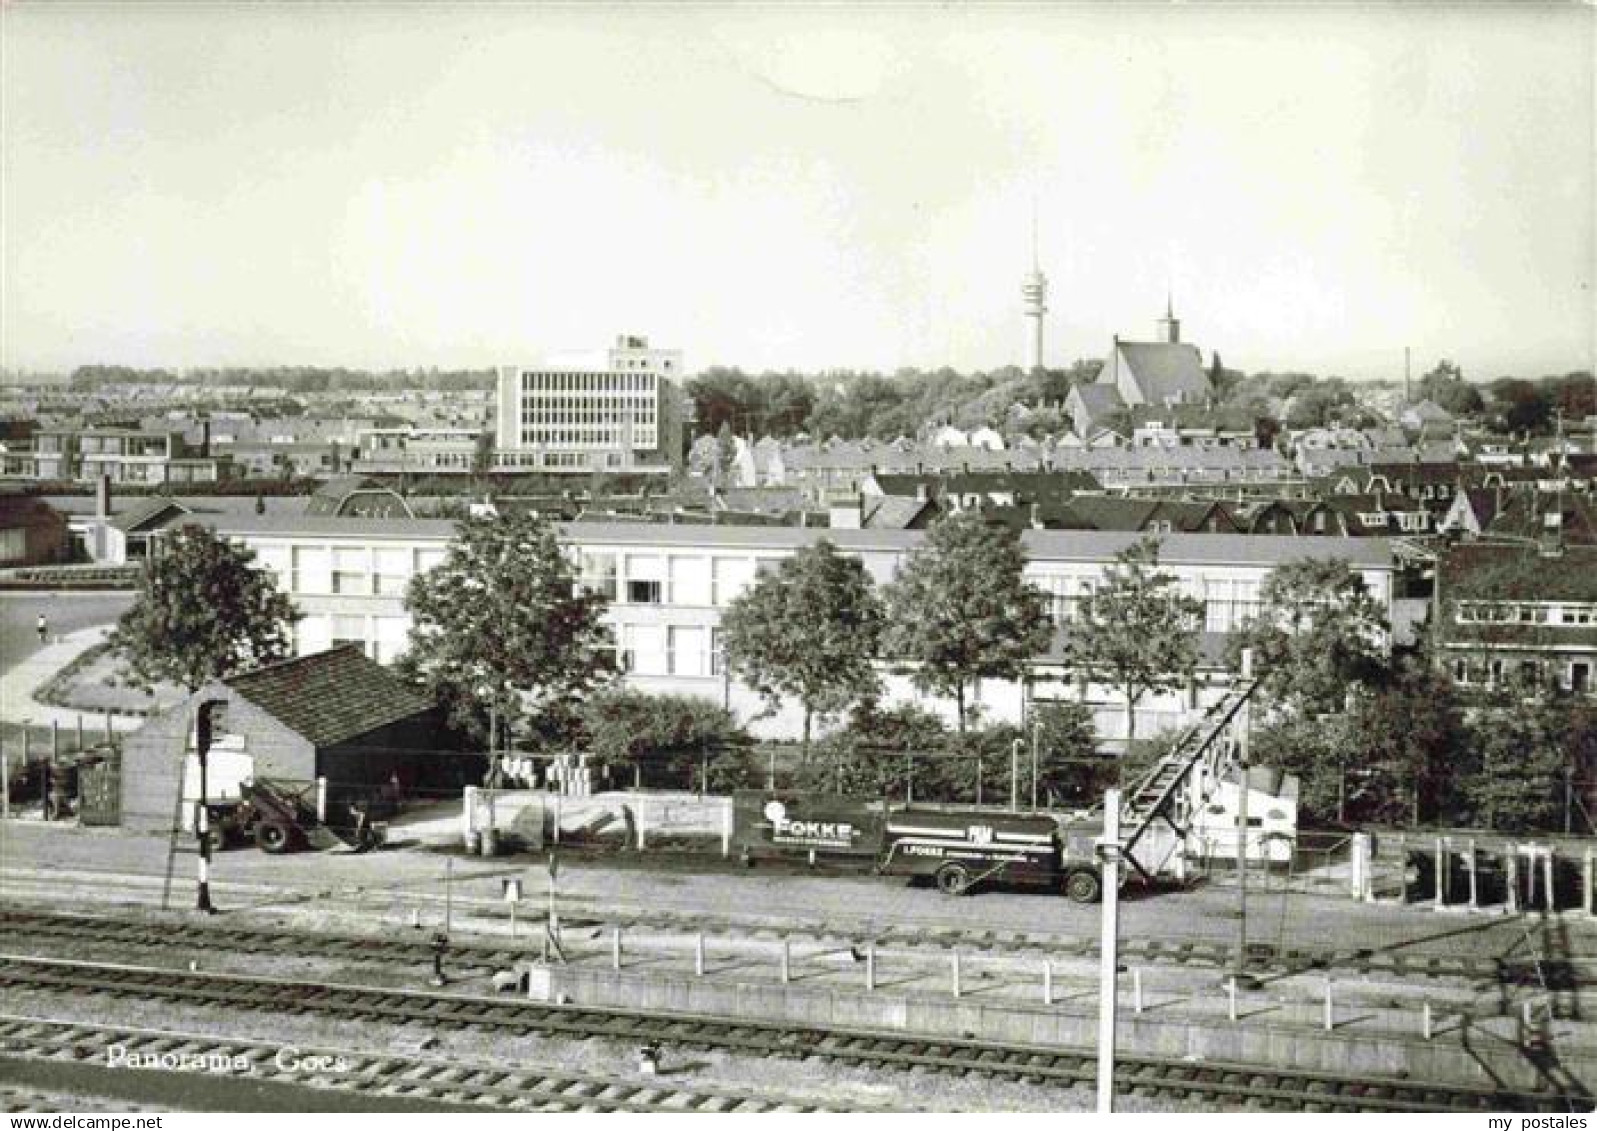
column 1158, row 794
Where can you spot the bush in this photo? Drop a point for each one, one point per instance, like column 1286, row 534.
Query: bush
column 665, row 740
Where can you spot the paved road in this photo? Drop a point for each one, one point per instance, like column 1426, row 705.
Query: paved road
column 663, row 883
column 65, row 612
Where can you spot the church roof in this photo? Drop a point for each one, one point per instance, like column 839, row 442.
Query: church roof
column 1162, row 371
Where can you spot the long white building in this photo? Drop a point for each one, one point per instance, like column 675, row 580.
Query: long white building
column 669, row 584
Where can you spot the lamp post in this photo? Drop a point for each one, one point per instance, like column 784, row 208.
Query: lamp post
column 1015, row 748
column 1036, row 743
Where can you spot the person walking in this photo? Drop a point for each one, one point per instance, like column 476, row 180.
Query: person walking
column 43, row 626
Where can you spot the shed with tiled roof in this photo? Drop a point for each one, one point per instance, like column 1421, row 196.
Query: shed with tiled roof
column 335, row 715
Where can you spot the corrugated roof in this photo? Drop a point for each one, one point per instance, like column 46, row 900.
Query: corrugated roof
column 330, row 697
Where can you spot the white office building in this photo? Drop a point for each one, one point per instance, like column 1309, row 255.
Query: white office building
column 614, row 411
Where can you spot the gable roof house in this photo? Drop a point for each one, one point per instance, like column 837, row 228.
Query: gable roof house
column 1519, row 613
column 333, row 715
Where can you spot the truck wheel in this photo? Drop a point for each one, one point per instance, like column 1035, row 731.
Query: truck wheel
column 272, row 837
column 953, row 879
column 1083, row 887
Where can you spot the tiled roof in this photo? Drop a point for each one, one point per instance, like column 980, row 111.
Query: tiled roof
column 330, row 697
column 1164, row 371
column 144, row 511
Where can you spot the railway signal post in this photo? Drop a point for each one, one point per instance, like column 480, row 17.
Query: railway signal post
column 204, row 731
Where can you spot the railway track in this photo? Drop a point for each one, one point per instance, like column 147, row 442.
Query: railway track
column 484, row 958
column 444, row 1080
column 1213, row 1084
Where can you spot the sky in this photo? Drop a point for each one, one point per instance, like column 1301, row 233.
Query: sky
column 796, row 186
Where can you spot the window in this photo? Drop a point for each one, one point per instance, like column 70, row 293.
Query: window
column 1460, row 671
column 644, row 592
column 645, row 580
column 351, row 570
column 728, row 578
column 1579, row 677
column 349, row 630
column 684, row 651
column 690, row 581
column 428, row 559
column 597, row 573
column 391, row 567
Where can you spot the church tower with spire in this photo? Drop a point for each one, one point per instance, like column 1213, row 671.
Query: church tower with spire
column 1169, row 326
column 1034, row 299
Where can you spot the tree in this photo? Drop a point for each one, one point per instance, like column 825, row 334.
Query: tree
column 870, row 756
column 1445, row 386
column 1520, row 760
column 1136, row 630
column 203, row 612
column 677, row 737
column 961, row 610
column 1404, row 749
column 502, row 625
column 1318, row 630
column 807, row 630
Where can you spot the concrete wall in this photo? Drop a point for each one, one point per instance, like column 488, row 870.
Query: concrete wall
column 1072, row 1024
column 152, row 769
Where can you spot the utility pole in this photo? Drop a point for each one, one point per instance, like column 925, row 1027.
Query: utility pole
column 1244, row 725
column 1108, row 950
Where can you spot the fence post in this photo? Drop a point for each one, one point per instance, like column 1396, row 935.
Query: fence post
column 1474, row 883
column 1439, row 900
column 615, row 949
column 770, row 771
column 726, row 828
column 108, row 728
column 870, row 967
column 1136, row 991
column 80, row 731
column 1427, row 1026
column 1047, row 981
column 1330, row 1007
column 1231, row 998
column 1589, row 870
column 554, row 832
column 787, row 962
column 55, row 740
column 5, row 790
column 321, row 799
column 468, row 814
column 954, row 968
column 1511, row 876
column 1549, row 894
column 1363, row 882
column 643, row 825
column 698, row 955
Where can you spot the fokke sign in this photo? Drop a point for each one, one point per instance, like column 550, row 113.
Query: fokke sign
column 808, row 833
